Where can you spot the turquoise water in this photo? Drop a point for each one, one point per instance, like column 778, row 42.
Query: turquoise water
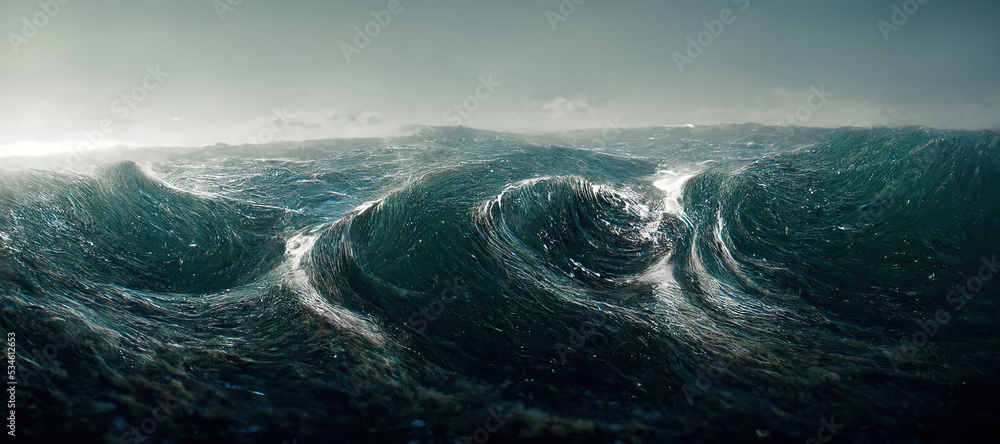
column 735, row 283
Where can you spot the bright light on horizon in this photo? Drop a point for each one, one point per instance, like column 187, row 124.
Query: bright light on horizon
column 33, row 149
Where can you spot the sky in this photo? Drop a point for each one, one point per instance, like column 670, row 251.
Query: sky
column 80, row 74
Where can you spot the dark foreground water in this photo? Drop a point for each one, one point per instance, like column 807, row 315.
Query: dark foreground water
column 713, row 284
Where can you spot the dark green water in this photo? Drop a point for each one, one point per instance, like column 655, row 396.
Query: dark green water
column 714, row 284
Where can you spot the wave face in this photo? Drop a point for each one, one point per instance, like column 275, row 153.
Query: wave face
column 729, row 283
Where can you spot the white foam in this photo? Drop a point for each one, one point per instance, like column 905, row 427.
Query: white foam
column 672, row 184
column 341, row 319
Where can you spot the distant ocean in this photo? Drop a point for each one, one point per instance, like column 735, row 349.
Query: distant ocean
column 735, row 283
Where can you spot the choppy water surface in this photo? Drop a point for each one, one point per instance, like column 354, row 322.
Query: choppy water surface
column 732, row 283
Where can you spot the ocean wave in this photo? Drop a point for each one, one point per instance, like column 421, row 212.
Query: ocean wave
column 596, row 284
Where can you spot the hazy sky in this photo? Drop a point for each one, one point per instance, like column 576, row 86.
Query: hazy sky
column 147, row 72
